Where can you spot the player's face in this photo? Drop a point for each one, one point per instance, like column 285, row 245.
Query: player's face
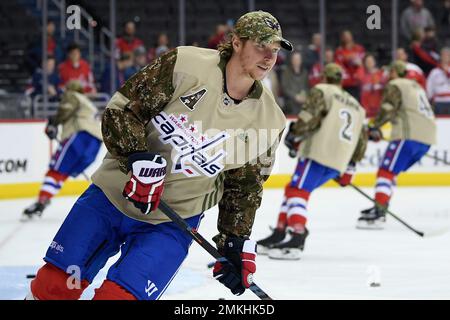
column 370, row 63
column 401, row 55
column 258, row 59
column 75, row 55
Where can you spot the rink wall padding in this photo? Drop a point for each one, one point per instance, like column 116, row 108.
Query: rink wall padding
column 26, row 151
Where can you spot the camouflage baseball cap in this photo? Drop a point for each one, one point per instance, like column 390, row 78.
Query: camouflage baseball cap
column 399, row 67
column 333, row 71
column 261, row 27
column 74, row 85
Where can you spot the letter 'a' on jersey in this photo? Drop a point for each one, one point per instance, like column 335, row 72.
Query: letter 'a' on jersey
column 333, row 144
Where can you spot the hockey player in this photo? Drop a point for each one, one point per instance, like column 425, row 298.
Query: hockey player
column 178, row 125
column 81, row 139
column 332, row 139
column 406, row 106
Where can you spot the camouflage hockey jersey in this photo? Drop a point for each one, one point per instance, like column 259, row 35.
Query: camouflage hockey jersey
column 77, row 113
column 216, row 151
column 406, row 106
column 331, row 127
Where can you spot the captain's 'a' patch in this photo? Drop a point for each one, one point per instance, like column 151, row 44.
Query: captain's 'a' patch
column 191, row 100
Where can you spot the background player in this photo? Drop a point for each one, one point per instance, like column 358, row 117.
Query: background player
column 406, row 106
column 81, row 139
column 151, row 129
column 332, row 139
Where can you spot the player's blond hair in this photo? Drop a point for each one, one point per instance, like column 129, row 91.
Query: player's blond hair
column 225, row 48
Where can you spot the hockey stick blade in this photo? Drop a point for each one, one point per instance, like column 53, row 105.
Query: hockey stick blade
column 183, row 225
column 419, row 233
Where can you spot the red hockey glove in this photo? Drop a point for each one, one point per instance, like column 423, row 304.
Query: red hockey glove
column 347, row 176
column 237, row 273
column 146, row 184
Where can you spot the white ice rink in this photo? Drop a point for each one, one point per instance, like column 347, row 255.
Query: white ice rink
column 339, row 261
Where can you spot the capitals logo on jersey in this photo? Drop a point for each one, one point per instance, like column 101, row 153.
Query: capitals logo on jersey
column 192, row 157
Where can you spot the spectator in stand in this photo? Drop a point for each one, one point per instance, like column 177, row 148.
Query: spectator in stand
column 35, row 86
column 438, row 84
column 350, row 55
column 35, row 50
column 162, row 46
column 140, row 61
column 425, row 59
column 125, row 61
column 294, row 84
column 413, row 71
column 431, row 43
column 416, row 16
column 312, row 54
column 315, row 75
column 218, row 37
column 128, row 41
column 371, row 79
column 76, row 68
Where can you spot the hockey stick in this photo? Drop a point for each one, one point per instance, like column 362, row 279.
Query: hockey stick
column 437, row 159
column 420, row 233
column 192, row 232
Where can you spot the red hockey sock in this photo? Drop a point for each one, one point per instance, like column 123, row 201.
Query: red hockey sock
column 51, row 284
column 110, row 290
column 291, row 192
column 297, row 222
column 282, row 221
column 297, row 207
column 52, row 184
column 384, row 186
column 382, row 198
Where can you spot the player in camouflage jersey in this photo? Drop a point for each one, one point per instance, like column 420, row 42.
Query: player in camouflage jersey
column 173, row 132
column 80, row 142
column 332, row 139
column 406, row 106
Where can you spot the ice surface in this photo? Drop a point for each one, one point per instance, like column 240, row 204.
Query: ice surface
column 339, row 261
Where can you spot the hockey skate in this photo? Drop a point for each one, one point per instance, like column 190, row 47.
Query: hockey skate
column 290, row 249
column 265, row 244
column 33, row 211
column 373, row 218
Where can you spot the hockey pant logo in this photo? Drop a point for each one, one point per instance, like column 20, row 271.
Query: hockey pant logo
column 151, row 288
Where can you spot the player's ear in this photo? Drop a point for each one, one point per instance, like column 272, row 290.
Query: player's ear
column 237, row 43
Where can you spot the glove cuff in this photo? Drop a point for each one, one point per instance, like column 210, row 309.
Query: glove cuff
column 234, row 244
column 249, row 247
column 143, row 156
